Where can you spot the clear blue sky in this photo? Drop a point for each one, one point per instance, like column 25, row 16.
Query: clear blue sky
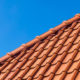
column 22, row 20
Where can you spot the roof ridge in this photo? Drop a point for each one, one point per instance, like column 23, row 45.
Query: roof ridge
column 38, row 38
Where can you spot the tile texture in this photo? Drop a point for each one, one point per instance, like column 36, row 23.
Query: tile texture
column 56, row 57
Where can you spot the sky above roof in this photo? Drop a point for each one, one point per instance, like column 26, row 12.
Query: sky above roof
column 23, row 20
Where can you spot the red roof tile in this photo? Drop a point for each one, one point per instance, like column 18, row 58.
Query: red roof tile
column 55, row 55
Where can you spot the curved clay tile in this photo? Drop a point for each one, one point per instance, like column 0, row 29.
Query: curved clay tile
column 54, row 55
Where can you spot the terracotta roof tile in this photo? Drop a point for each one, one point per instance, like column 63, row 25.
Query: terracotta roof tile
column 78, row 76
column 55, row 55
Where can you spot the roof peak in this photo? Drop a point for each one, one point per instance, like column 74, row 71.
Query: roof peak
column 38, row 38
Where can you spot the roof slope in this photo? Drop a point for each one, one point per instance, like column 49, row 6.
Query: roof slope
column 55, row 55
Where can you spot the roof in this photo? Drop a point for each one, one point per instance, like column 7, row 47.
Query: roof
column 54, row 55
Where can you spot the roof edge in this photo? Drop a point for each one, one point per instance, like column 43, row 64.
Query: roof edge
column 38, row 38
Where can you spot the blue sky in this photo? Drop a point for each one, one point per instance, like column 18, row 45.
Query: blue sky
column 23, row 20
